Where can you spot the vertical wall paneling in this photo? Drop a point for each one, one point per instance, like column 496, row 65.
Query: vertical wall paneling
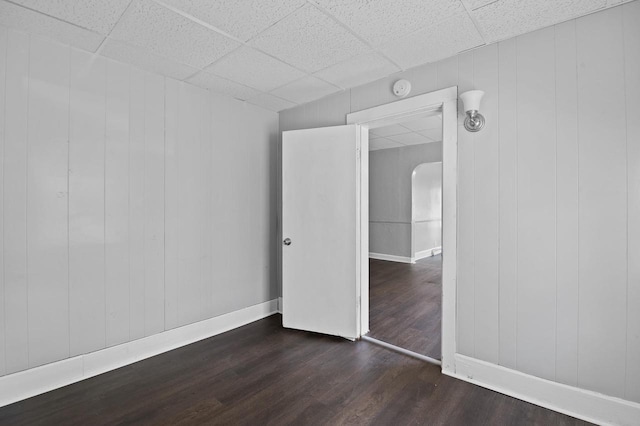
column 241, row 239
column 113, row 207
column 137, row 199
column 86, row 203
column 47, row 202
column 154, row 203
column 508, row 196
column 631, row 13
column 536, row 334
column 189, row 303
column 567, row 204
column 15, row 203
column 486, row 161
column 207, row 206
column 603, row 182
column 447, row 73
column 223, row 195
column 466, row 244
column 171, row 223
column 117, row 203
column 3, row 72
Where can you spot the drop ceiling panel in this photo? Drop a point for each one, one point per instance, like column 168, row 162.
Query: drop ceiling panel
column 359, row 70
column 271, row 102
column 394, row 129
column 382, row 143
column 95, row 15
column 433, row 134
column 433, row 122
column 142, row 58
column 309, row 40
column 165, row 33
column 436, row 42
column 508, row 18
column 381, row 21
column 304, row 90
column 241, row 18
column 255, row 69
column 474, row 4
column 222, row 85
column 410, row 139
column 23, row 19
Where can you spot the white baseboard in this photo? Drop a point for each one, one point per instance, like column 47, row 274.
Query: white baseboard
column 427, row 253
column 25, row 384
column 390, row 257
column 583, row 404
column 280, row 305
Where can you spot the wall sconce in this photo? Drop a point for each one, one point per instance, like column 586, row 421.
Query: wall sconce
column 471, row 101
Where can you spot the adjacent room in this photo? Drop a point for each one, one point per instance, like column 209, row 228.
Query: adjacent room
column 405, row 234
column 319, row 212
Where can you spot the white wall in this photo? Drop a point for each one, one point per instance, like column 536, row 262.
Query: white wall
column 390, row 209
column 549, row 198
column 131, row 203
column 426, row 190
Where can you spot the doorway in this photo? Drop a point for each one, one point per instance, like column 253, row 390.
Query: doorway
column 442, row 102
column 325, row 221
column 405, row 234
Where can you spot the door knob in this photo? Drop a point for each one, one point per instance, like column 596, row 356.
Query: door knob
column 287, row 241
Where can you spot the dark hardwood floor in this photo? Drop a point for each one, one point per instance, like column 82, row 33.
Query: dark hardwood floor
column 405, row 304
column 264, row 374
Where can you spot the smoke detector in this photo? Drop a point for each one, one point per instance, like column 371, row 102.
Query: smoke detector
column 401, row 88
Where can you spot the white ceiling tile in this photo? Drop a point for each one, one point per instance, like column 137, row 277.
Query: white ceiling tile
column 305, row 90
column 20, row 18
column 508, row 18
column 165, row 33
column 382, row 143
column 309, row 40
column 255, row 69
column 384, row 20
column 222, row 85
column 433, row 122
column 410, row 138
column 474, row 4
column 240, row 18
column 433, row 134
column 271, row 102
column 394, row 129
column 439, row 41
column 144, row 59
column 95, row 15
column 359, row 70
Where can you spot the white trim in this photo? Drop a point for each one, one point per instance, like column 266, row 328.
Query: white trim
column 427, row 253
column 279, row 305
column 402, row 350
column 390, row 257
column 447, row 101
column 25, row 384
column 403, row 109
column 583, row 404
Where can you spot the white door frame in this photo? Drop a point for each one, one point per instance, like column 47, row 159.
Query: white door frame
column 445, row 100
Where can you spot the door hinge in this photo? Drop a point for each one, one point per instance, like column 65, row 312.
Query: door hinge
column 358, row 153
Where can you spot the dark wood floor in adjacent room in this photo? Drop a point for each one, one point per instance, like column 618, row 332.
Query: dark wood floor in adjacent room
column 406, row 304
column 264, row 374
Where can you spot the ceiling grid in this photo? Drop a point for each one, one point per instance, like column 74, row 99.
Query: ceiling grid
column 281, row 53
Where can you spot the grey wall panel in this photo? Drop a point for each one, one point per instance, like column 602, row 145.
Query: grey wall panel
column 137, row 203
column 390, row 238
column 390, row 173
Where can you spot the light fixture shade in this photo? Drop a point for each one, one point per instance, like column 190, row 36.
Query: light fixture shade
column 471, row 100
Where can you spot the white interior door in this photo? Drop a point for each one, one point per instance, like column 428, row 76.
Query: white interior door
column 324, row 235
